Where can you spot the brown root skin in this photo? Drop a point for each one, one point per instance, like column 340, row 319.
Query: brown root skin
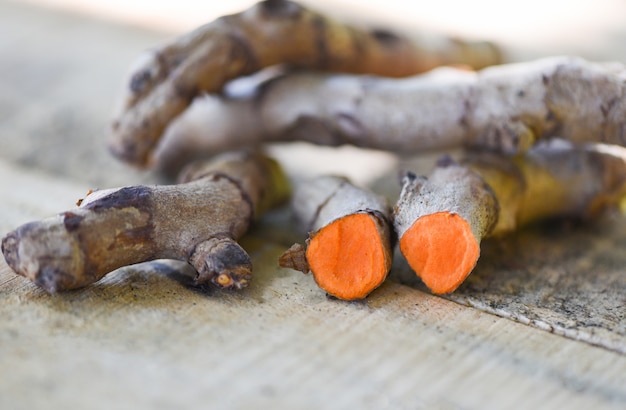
column 295, row 258
column 166, row 80
column 442, row 219
column 198, row 221
column 504, row 108
column 349, row 248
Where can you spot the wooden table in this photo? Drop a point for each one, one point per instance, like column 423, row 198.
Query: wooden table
column 540, row 323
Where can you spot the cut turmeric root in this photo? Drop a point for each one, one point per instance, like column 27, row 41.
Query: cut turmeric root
column 442, row 248
column 441, row 220
column 349, row 246
column 348, row 258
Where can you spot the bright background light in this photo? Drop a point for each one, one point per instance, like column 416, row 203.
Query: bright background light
column 586, row 27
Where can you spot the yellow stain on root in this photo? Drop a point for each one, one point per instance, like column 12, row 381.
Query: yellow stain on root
column 441, row 249
column 348, row 257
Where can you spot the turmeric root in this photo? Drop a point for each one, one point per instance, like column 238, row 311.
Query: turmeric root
column 442, row 219
column 504, row 108
column 197, row 221
column 349, row 247
column 271, row 32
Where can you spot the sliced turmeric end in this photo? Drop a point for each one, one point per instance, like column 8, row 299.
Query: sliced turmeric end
column 349, row 258
column 441, row 249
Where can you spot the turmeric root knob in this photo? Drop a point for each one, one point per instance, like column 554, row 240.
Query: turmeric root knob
column 441, row 249
column 348, row 257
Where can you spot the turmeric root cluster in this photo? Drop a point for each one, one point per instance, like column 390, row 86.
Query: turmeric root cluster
column 370, row 88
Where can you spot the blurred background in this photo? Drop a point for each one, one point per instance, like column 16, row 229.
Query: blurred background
column 595, row 28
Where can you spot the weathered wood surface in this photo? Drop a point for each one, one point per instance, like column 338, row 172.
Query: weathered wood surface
column 143, row 338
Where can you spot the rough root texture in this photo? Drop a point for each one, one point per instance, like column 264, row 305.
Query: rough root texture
column 197, row 221
column 295, row 258
column 504, row 108
column 166, row 80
